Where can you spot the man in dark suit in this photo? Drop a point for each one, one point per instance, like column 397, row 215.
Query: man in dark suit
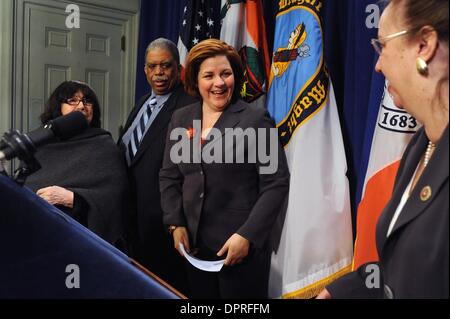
column 143, row 142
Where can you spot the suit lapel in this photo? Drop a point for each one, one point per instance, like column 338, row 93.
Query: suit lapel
column 196, row 114
column 404, row 176
column 187, row 122
column 435, row 174
column 229, row 119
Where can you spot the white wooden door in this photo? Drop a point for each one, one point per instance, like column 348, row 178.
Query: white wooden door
column 94, row 53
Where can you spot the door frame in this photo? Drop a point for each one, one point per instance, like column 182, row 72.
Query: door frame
column 127, row 12
column 6, row 61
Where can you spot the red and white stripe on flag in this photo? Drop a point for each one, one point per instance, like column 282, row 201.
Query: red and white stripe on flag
column 392, row 134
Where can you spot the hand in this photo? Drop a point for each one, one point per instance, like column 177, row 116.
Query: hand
column 56, row 195
column 180, row 235
column 237, row 248
column 325, row 294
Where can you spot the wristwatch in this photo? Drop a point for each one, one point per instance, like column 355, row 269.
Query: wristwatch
column 172, row 228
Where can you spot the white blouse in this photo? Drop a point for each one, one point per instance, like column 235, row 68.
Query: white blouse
column 402, row 203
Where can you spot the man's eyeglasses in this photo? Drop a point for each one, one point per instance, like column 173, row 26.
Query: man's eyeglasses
column 76, row 102
column 378, row 44
column 164, row 66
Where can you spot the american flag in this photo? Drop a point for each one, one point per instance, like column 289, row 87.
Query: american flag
column 199, row 22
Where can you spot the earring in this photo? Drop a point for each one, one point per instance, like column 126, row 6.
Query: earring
column 422, row 66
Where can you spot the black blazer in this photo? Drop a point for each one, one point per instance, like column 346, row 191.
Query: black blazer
column 217, row 200
column 414, row 259
column 144, row 180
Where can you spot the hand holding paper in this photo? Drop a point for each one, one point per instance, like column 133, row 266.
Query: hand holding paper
column 236, row 248
column 180, row 236
column 212, row 266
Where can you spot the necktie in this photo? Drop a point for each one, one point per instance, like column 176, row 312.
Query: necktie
column 139, row 130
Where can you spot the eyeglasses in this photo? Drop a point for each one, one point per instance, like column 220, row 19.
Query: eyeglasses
column 378, row 44
column 164, row 66
column 76, row 102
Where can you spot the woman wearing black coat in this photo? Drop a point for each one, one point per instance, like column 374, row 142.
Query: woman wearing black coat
column 85, row 175
column 219, row 208
column 412, row 232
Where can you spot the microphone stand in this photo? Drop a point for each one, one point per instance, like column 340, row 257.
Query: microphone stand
column 25, row 148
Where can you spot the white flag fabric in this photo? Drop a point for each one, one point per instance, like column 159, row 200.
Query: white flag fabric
column 393, row 131
column 316, row 240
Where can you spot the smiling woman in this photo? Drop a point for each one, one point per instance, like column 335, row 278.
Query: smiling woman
column 219, row 209
column 412, row 234
column 216, row 83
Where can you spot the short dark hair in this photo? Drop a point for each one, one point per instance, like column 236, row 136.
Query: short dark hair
column 65, row 91
column 207, row 49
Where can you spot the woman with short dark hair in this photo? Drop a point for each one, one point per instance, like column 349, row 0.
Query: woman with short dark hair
column 85, row 175
column 66, row 91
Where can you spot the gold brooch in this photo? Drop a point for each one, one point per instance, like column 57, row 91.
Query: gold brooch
column 425, row 194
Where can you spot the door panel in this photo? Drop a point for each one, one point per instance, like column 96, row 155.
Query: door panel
column 53, row 53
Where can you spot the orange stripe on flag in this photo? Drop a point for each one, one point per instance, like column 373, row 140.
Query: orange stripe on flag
column 256, row 24
column 378, row 192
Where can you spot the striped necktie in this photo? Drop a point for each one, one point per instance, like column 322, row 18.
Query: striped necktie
column 139, row 130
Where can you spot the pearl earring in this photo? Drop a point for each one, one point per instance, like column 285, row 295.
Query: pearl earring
column 422, row 66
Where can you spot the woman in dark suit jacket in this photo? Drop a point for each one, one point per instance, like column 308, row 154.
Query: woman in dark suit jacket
column 412, row 232
column 215, row 208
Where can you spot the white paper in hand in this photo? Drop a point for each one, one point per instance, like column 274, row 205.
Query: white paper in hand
column 212, row 266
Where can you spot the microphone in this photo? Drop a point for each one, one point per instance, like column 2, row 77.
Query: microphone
column 15, row 144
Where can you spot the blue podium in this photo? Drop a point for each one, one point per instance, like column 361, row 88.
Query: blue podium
column 46, row 254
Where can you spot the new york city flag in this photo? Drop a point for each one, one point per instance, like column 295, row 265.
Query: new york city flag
column 393, row 130
column 316, row 240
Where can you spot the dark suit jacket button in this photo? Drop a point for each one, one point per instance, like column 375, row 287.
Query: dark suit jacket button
column 201, row 172
column 388, row 292
column 201, row 195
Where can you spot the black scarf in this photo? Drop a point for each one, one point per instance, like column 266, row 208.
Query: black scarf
column 91, row 166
